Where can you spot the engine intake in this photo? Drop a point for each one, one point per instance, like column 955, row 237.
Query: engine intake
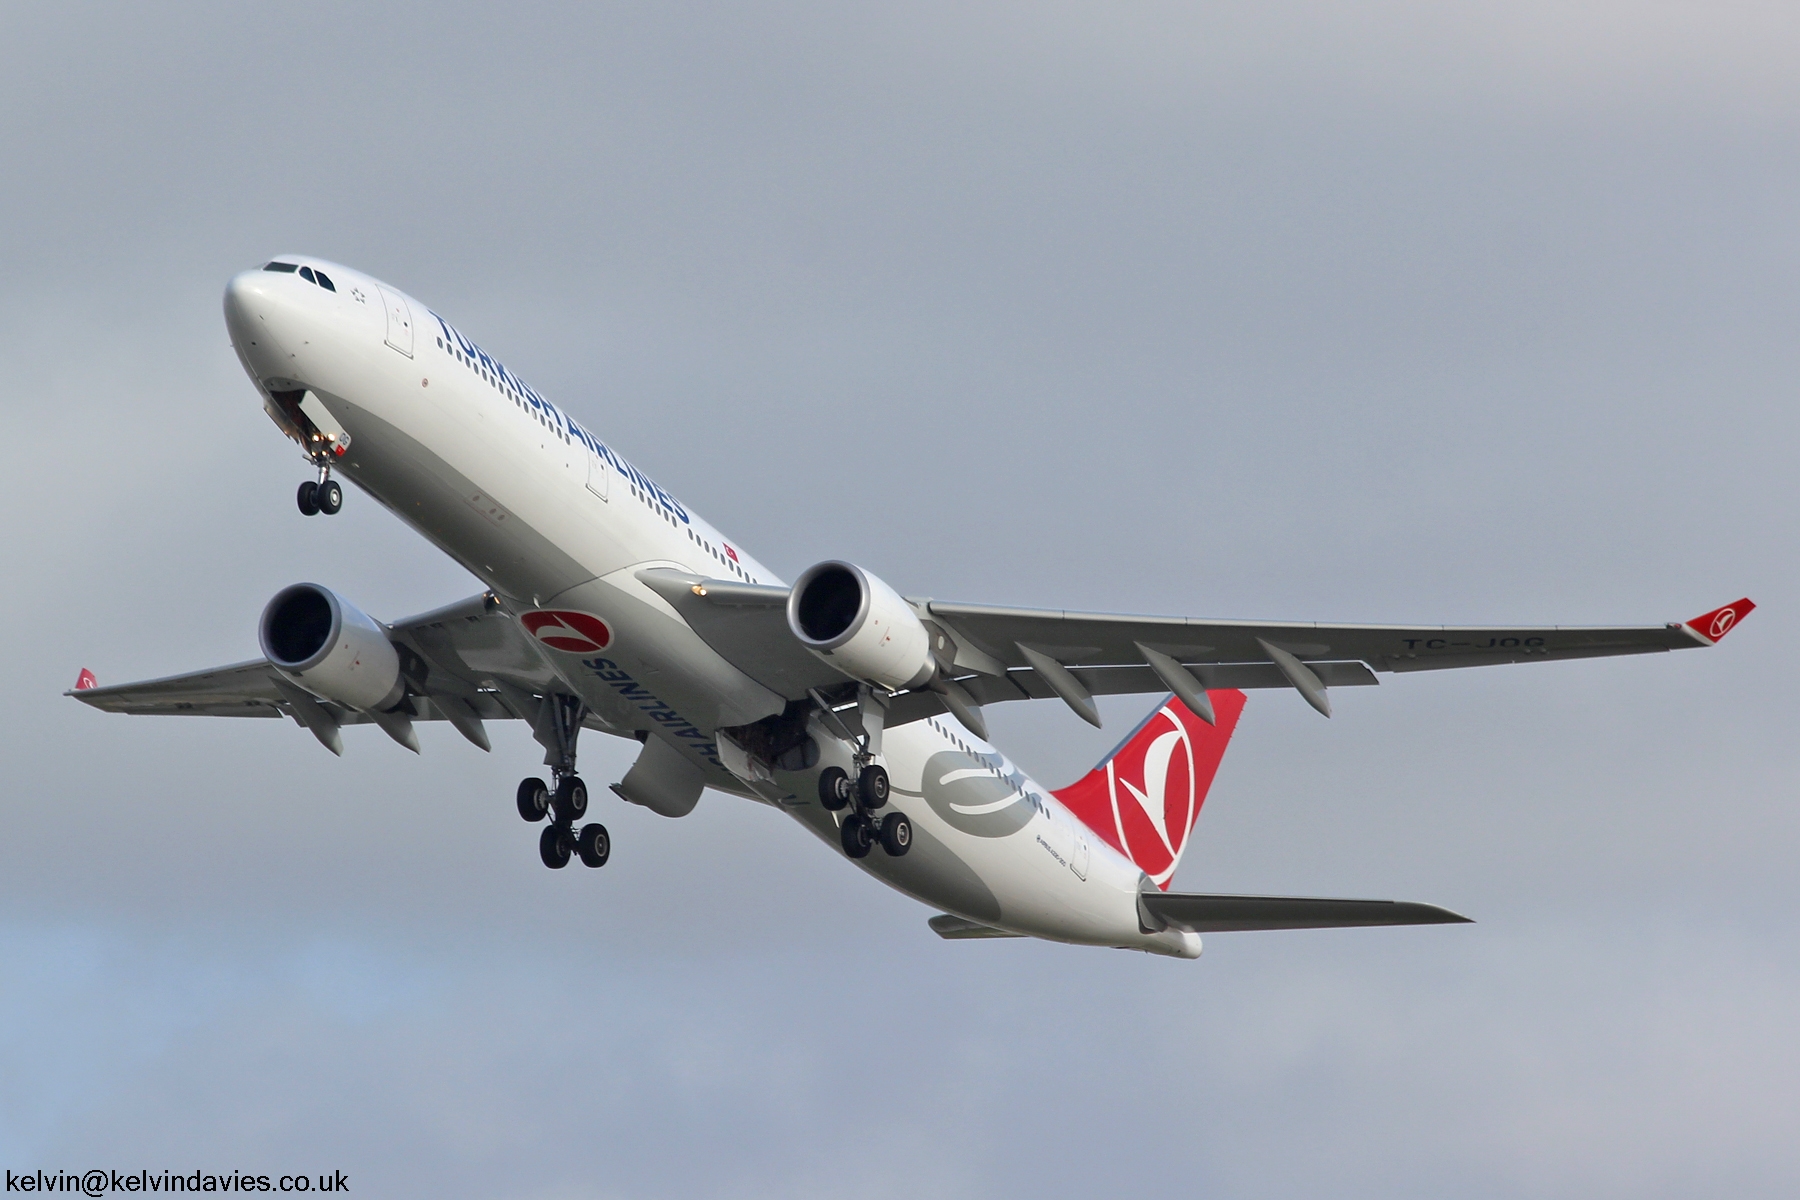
column 331, row 648
column 860, row 625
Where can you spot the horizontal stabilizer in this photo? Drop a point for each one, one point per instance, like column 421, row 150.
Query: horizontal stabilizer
column 1230, row 914
column 958, row 928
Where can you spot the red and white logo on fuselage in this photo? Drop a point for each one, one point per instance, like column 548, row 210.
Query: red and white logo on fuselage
column 572, row 632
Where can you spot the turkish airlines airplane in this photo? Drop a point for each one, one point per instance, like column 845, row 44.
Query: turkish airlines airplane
column 611, row 606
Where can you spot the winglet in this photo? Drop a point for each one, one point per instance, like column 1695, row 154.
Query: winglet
column 1712, row 626
column 85, row 680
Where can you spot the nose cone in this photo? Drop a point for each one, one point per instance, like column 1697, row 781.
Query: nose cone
column 251, row 309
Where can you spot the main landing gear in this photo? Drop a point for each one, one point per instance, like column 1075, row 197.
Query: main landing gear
column 565, row 802
column 325, row 495
column 868, row 789
column 861, row 829
column 564, row 805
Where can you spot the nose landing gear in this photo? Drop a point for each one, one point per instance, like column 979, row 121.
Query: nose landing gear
column 325, row 495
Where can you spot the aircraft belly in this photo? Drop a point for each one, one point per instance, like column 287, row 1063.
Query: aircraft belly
column 656, row 676
column 662, row 654
column 932, row 871
column 449, row 509
column 980, row 855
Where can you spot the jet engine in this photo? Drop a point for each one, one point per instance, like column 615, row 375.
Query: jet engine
column 860, row 625
column 331, row 648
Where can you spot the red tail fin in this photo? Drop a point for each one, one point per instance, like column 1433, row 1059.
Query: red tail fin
column 1144, row 798
column 85, row 680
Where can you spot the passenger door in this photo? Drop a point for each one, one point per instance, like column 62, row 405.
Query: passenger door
column 399, row 321
column 597, row 471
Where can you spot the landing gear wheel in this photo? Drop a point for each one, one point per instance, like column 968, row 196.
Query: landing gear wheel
column 872, row 786
column 858, row 835
column 330, row 496
column 553, row 847
column 571, row 799
column 834, row 788
column 593, row 845
column 896, row 834
column 534, row 800
column 308, row 498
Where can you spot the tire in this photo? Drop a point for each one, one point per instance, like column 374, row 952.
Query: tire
column 553, row 847
column 834, row 788
column 534, row 800
column 330, row 496
column 896, row 834
column 307, row 498
column 872, row 787
column 571, row 799
column 857, row 836
column 594, row 846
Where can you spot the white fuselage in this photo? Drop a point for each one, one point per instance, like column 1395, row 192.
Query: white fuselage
column 549, row 516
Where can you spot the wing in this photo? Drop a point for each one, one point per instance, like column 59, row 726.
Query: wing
column 1229, row 914
column 1050, row 652
column 242, row 690
column 1102, row 639
column 465, row 663
column 991, row 654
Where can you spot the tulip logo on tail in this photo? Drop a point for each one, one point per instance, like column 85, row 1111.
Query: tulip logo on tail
column 1144, row 799
column 1716, row 624
column 573, row 632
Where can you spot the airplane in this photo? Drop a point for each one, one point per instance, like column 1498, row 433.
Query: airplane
column 611, row 606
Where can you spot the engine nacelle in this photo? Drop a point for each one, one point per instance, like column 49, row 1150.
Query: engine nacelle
column 331, row 648
column 860, row 625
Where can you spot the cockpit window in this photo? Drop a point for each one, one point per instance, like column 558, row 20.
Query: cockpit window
column 306, row 274
column 281, row 266
column 325, row 281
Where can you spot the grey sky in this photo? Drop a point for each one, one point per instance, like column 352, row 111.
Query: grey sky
column 1375, row 312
